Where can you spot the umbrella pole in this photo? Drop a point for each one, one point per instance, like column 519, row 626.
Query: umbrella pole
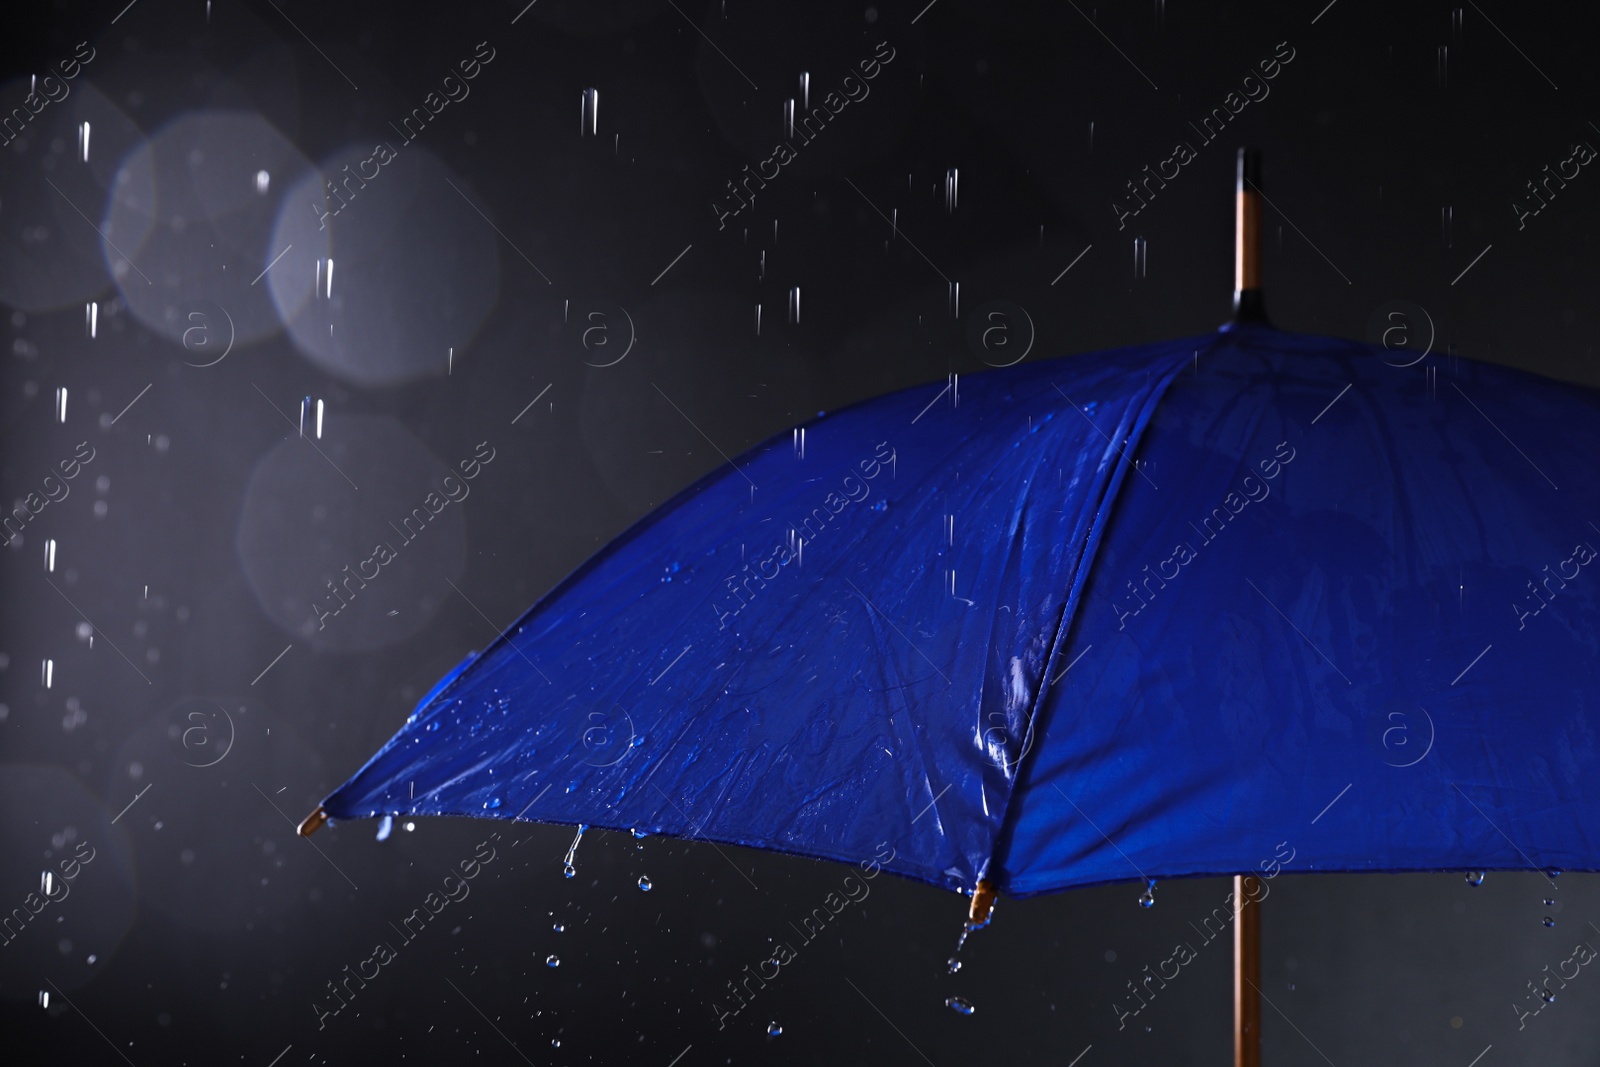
column 1248, row 305
column 1246, row 971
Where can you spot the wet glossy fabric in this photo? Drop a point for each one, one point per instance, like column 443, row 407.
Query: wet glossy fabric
column 1341, row 616
column 837, row 646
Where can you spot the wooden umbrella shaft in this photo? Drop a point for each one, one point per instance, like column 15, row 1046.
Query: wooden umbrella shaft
column 1247, row 302
column 1246, row 971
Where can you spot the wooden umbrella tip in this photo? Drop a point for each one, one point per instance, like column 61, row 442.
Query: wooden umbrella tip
column 313, row 822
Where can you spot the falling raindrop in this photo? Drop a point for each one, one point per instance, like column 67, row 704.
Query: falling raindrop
column 758, row 308
column 954, row 965
column 1091, row 138
column 50, row 555
column 552, row 961
column 1147, row 899
column 47, row 882
column 1549, row 902
column 1455, row 25
column 263, row 182
column 1161, row 14
column 951, row 181
column 1138, row 257
column 1475, row 878
column 44, row 998
column 385, row 827
column 960, row 1004
column 805, row 91
column 61, row 404
column 773, row 1029
column 47, row 672
column 589, row 113
column 572, row 852
column 91, row 318
column 1549, row 921
column 559, row 927
column 644, row 882
column 1444, row 66
column 794, row 306
column 788, row 120
column 955, row 300
column 319, row 437
column 1447, row 217
column 410, row 827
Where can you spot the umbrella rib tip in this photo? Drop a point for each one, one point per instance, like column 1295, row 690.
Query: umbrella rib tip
column 982, row 904
column 312, row 823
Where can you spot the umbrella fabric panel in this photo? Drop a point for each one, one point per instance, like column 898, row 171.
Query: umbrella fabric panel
column 805, row 649
column 1354, row 627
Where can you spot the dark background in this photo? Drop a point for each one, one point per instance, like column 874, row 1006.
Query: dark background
column 204, row 930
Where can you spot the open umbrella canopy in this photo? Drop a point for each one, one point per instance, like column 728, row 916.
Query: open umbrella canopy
column 1151, row 612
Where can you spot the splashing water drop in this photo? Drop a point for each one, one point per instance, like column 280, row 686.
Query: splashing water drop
column 954, row 964
column 1555, row 872
column 385, row 827
column 559, row 927
column 644, row 882
column 640, row 833
column 568, row 871
column 773, row 1029
column 552, row 961
column 1549, row 921
column 1475, row 878
column 960, row 1004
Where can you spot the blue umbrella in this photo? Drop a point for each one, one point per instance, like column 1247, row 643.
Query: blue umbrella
column 1248, row 601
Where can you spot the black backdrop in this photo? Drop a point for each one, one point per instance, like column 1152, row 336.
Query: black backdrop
column 167, row 583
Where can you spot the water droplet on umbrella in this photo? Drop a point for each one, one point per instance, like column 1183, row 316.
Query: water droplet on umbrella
column 882, row 505
column 955, row 965
column 1549, row 921
column 644, row 882
column 1475, row 878
column 1549, row 902
column 492, row 802
column 1555, row 872
column 640, row 833
column 1546, row 995
column 961, row 1004
column 552, row 961
column 773, row 1029
column 385, row 826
